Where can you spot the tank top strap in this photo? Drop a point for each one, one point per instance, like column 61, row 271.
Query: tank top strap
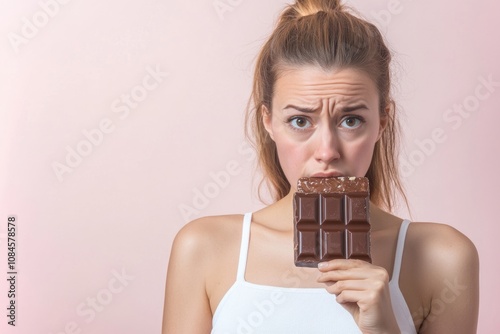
column 245, row 239
column 399, row 251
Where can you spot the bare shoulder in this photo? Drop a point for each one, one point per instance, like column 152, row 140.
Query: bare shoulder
column 441, row 246
column 203, row 242
column 206, row 236
column 197, row 249
column 444, row 269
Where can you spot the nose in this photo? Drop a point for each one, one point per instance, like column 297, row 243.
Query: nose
column 327, row 149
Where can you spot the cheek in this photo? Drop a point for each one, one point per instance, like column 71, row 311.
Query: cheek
column 293, row 156
column 358, row 155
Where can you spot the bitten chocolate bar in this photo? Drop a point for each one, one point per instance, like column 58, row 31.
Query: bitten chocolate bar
column 331, row 220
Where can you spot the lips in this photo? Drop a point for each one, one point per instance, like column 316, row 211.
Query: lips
column 327, row 174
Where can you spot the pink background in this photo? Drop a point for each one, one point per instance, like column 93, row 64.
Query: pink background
column 117, row 211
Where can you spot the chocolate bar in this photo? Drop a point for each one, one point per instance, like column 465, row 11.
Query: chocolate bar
column 331, row 220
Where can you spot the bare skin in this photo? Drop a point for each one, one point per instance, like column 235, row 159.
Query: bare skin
column 332, row 134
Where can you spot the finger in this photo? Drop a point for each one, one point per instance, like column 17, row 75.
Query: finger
column 350, row 296
column 373, row 273
column 364, row 299
column 342, row 264
column 341, row 275
column 361, row 292
column 353, row 285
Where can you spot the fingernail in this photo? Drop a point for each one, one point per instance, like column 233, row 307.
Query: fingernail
column 322, row 265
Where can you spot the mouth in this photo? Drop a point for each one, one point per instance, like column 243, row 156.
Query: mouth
column 327, row 174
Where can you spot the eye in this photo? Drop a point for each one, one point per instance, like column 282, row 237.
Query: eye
column 299, row 123
column 351, row 122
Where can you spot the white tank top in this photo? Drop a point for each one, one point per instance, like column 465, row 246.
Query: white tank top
column 249, row 308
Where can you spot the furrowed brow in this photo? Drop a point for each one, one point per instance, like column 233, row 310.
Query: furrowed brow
column 301, row 109
column 355, row 107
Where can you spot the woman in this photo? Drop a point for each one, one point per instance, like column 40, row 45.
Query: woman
column 322, row 107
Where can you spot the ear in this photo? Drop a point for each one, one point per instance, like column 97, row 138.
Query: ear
column 384, row 119
column 267, row 121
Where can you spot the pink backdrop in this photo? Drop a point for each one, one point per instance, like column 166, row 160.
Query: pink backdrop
column 122, row 120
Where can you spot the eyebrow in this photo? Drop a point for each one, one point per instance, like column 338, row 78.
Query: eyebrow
column 354, row 107
column 301, row 109
column 345, row 109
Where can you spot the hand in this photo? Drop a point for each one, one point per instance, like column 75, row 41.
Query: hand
column 363, row 289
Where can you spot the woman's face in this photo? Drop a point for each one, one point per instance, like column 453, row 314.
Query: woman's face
column 324, row 123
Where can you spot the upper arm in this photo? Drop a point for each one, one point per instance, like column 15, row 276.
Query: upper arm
column 453, row 271
column 187, row 308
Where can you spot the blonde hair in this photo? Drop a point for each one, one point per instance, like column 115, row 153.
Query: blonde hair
column 325, row 33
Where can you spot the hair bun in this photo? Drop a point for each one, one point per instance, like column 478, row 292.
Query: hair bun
column 311, row 7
